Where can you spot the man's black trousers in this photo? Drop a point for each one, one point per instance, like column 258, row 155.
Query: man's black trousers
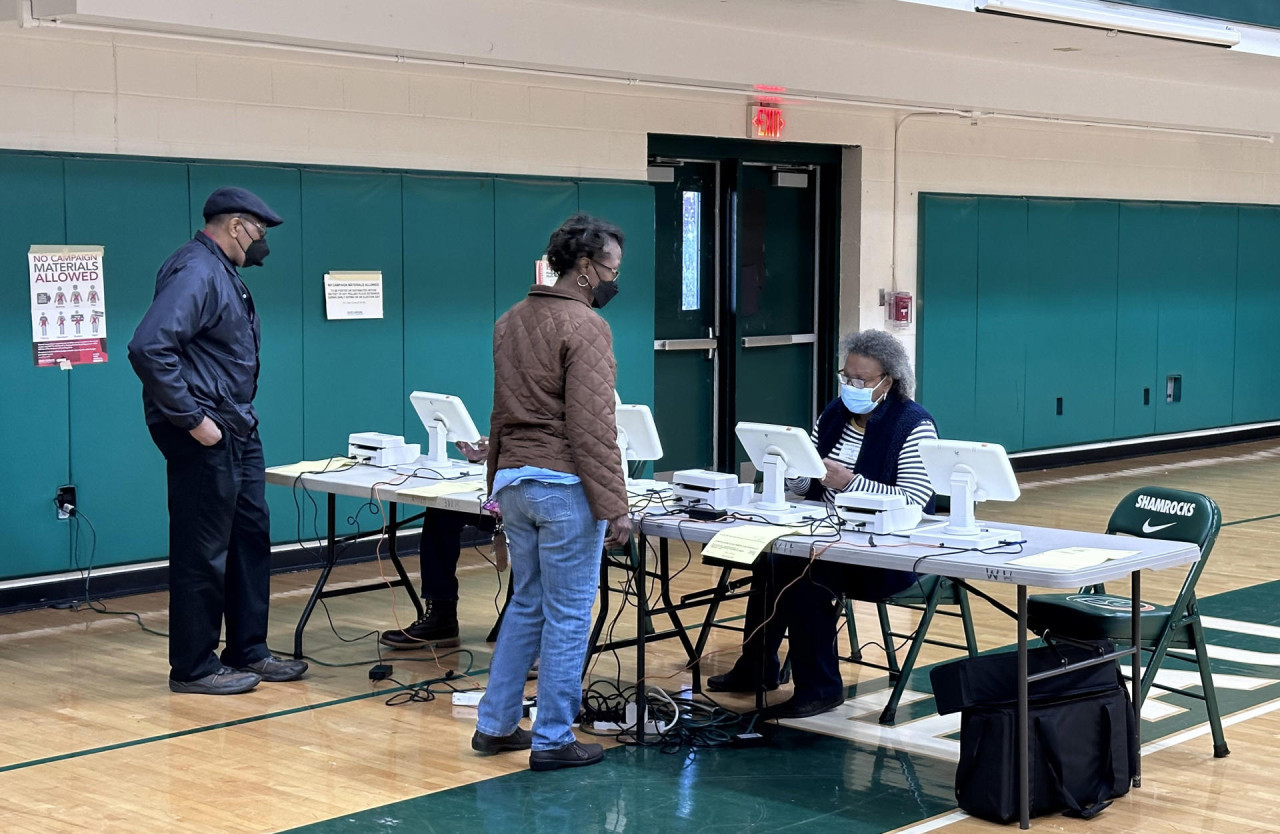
column 219, row 551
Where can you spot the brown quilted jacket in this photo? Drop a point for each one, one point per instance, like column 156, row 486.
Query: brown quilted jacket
column 553, row 406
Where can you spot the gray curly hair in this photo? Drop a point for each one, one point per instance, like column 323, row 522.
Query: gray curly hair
column 888, row 351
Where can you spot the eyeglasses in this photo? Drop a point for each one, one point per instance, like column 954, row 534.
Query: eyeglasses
column 262, row 230
column 853, row 382
column 615, row 270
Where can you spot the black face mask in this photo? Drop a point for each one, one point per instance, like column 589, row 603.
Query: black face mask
column 256, row 252
column 603, row 293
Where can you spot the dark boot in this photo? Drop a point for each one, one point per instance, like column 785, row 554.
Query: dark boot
column 438, row 627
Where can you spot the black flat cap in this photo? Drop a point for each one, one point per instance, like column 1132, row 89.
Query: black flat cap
column 233, row 200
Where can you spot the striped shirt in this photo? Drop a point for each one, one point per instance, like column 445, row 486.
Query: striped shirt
column 913, row 481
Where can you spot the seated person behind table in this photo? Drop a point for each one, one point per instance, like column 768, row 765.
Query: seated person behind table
column 439, row 547
column 869, row 437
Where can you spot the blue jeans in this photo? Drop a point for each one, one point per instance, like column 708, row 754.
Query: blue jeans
column 555, row 546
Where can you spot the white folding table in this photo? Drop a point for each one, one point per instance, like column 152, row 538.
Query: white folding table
column 370, row 483
column 858, row 549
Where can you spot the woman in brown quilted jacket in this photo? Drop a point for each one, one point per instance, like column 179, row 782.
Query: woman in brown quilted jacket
column 553, row 468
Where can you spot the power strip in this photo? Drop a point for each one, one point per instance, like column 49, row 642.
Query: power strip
column 650, row 726
column 470, row 698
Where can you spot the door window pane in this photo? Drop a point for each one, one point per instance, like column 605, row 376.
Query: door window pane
column 690, row 251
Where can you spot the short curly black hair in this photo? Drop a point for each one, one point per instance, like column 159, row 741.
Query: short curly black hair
column 581, row 236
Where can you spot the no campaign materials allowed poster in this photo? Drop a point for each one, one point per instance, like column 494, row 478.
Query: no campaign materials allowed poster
column 353, row 295
column 68, row 305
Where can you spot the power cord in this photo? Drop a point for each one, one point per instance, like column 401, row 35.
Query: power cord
column 679, row 722
column 97, row 606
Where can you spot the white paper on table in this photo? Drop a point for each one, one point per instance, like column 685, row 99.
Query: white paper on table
column 442, row 488
column 745, row 543
column 312, row 467
column 1071, row 558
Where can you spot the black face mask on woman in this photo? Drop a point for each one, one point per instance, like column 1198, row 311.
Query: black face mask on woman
column 603, row 293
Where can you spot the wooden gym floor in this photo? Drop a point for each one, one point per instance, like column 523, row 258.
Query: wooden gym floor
column 92, row 740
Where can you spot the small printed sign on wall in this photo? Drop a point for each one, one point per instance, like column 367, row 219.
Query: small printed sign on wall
column 353, row 295
column 68, row 306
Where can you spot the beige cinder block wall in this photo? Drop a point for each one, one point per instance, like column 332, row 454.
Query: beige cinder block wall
column 154, row 95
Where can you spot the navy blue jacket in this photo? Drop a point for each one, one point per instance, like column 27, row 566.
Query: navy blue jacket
column 196, row 349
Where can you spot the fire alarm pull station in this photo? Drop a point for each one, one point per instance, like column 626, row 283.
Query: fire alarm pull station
column 897, row 309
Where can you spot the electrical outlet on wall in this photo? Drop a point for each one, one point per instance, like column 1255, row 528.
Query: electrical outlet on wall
column 65, row 501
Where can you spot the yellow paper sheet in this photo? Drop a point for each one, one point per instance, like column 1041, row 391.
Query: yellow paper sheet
column 1071, row 558
column 306, row 467
column 442, row 488
column 745, row 543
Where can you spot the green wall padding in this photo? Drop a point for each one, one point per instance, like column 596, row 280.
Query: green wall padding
column 947, row 325
column 1070, row 322
column 1000, row 327
column 629, row 206
column 1257, row 397
column 138, row 211
column 34, row 417
column 1055, row 322
column 448, row 287
column 1259, row 12
column 449, row 248
column 1196, row 298
column 525, row 215
column 353, row 371
column 1142, row 262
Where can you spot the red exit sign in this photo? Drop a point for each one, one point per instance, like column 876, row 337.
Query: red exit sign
column 765, row 122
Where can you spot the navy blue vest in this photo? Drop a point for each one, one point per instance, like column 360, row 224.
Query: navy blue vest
column 886, row 433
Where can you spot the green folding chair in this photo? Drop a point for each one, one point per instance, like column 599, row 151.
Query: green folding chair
column 1093, row 614
column 930, row 596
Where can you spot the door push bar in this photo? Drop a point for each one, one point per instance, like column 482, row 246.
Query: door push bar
column 775, row 341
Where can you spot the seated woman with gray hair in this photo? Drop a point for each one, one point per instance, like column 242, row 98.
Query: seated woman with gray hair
column 869, row 438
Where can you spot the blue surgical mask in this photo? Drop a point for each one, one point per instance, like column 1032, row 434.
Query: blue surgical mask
column 859, row 400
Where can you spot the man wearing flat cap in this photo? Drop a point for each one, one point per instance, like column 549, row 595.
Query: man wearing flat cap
column 196, row 352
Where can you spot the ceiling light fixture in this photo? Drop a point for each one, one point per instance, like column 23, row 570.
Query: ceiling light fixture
column 1108, row 16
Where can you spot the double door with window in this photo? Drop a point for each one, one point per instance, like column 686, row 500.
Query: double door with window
column 738, row 333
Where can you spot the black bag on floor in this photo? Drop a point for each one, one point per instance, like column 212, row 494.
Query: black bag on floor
column 1082, row 734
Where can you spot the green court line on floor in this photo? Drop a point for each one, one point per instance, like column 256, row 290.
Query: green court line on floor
column 1247, row 520
column 222, row 725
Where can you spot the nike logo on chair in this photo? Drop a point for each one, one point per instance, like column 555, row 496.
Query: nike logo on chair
column 1147, row 526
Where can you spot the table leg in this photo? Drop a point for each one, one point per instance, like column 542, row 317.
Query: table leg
column 593, row 643
column 330, row 557
column 1135, row 596
column 642, row 616
column 704, row 634
column 664, row 590
column 393, row 528
column 1023, row 749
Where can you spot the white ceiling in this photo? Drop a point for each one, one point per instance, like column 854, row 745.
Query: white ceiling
column 918, row 27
